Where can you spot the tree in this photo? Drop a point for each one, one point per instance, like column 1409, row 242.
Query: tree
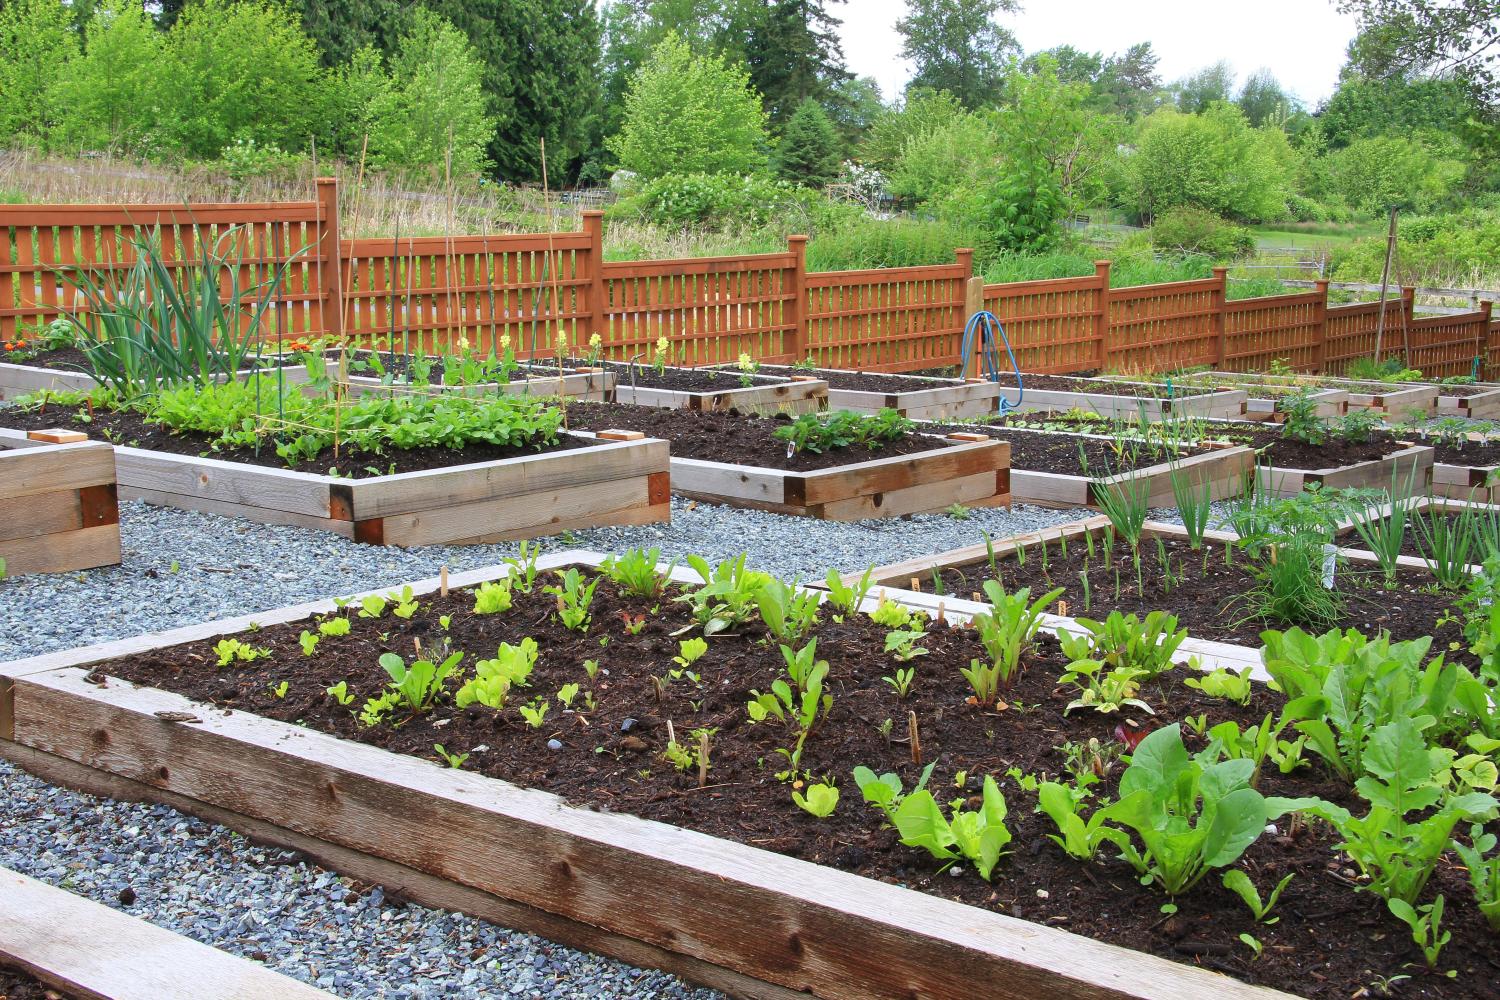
column 430, row 111
column 1128, row 84
column 110, row 97
column 1208, row 86
column 1070, row 65
column 957, row 46
column 1263, row 100
column 1214, row 161
column 1362, row 108
column 808, row 153
column 1375, row 174
column 793, row 53
column 924, row 111
column 240, row 70
column 690, row 114
column 37, row 42
column 1406, row 38
column 855, row 105
column 1055, row 122
column 540, row 63
column 340, row 28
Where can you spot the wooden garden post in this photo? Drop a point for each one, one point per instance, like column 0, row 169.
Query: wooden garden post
column 973, row 303
column 1101, row 319
column 330, row 265
column 796, row 303
column 595, row 317
column 1216, row 299
column 1320, row 326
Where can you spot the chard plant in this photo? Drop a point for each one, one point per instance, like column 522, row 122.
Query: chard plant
column 728, row 597
column 573, row 599
column 788, row 612
column 1006, row 631
column 979, row 836
column 846, row 598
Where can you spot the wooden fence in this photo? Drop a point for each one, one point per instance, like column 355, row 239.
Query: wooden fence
column 525, row 291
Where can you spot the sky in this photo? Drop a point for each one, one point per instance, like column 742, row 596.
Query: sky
column 1301, row 41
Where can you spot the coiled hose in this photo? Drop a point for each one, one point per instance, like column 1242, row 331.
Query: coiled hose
column 980, row 333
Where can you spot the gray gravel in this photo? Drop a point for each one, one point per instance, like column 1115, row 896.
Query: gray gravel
column 210, row 884
column 181, row 567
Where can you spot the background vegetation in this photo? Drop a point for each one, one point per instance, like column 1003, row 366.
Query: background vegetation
column 727, row 124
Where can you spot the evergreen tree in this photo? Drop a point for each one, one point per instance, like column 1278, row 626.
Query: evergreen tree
column 540, row 60
column 1128, row 84
column 793, row 52
column 809, row 150
column 343, row 27
column 957, row 46
column 1210, row 85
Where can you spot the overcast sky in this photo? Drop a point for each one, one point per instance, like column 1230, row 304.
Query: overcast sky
column 1301, row 41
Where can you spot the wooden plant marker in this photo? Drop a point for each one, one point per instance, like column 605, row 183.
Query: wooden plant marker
column 55, row 435
column 915, row 736
column 615, row 434
column 967, row 436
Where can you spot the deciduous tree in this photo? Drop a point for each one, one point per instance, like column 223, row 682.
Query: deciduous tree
column 957, row 46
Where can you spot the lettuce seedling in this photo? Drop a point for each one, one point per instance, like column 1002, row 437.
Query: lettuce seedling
column 1079, row 837
column 566, row 694
column 230, row 650
column 1101, row 690
column 309, row 642
column 1224, row 683
column 788, row 613
column 491, row 598
column 902, row 682
column 884, row 790
column 847, row 599
column 493, row 679
column 573, row 599
column 535, row 715
column 635, row 572
column 340, row 693
column 372, row 606
column 891, row 615
column 279, row 690
column 802, row 664
column 1426, row 926
column 376, row 709
column 821, row 799
column 406, row 603
column 727, row 598
column 334, row 627
column 419, row 683
column 689, row 652
column 903, row 645
column 1126, row 641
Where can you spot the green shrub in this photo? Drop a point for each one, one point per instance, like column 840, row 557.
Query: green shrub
column 719, row 201
column 1194, row 230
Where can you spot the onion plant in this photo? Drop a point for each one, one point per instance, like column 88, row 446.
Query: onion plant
column 1448, row 543
column 1384, row 533
column 1194, row 504
column 155, row 323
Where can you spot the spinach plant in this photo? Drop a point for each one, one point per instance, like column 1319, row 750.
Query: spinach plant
column 979, row 835
column 847, row 598
column 635, row 572
column 788, row 612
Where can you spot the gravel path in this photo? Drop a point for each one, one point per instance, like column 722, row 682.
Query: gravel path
column 180, row 567
column 210, row 884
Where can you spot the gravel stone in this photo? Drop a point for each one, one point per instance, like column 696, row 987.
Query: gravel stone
column 209, row 883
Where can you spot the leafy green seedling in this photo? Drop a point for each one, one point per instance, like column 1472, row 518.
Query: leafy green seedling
column 491, row 598
column 453, row 760
column 340, row 693
column 309, row 642
column 1239, row 883
column 821, row 799
column 334, row 627
column 690, row 651
column 566, row 694
column 535, row 715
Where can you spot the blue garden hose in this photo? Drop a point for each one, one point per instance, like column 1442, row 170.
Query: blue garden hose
column 983, row 327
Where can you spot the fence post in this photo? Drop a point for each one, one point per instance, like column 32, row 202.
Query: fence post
column 1320, row 330
column 795, row 316
column 973, row 303
column 1488, row 340
column 595, row 317
column 1217, row 296
column 330, row 263
column 1101, row 321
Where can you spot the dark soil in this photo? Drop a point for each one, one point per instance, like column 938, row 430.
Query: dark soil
column 872, row 381
column 729, row 436
column 1479, row 453
column 128, row 428
column 1063, row 383
column 16, row 984
column 1330, row 941
column 1206, row 595
column 1042, row 451
column 686, row 379
column 1464, row 391
column 63, row 359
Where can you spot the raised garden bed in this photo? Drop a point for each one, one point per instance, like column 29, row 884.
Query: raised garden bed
column 417, row 496
column 1397, row 400
column 1204, row 589
column 68, row 373
column 541, row 378
column 1476, row 401
column 52, row 940
column 843, row 910
column 916, row 397
column 1113, row 398
column 1058, row 469
column 1266, row 395
column 58, row 505
column 716, row 389
column 736, row 459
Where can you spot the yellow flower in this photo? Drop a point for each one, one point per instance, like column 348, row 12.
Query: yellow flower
column 663, row 346
column 505, row 342
column 596, row 341
column 463, row 343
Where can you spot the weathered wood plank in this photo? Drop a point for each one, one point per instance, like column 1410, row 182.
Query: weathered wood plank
column 827, row 932
column 529, row 513
column 250, row 512
column 75, row 944
column 86, row 548
column 885, row 475
column 53, row 468
column 39, row 514
column 251, row 486
column 924, row 498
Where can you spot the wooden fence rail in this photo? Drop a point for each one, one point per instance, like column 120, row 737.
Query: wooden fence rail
column 525, row 291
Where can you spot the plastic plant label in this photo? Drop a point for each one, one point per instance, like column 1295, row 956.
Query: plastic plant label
column 1330, row 565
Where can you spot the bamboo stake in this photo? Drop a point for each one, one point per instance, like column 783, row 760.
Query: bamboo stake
column 558, row 334
column 443, row 582
column 915, row 737
column 1385, row 276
